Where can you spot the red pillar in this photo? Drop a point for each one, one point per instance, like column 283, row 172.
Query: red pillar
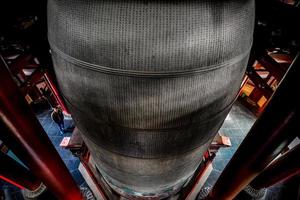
column 16, row 174
column 271, row 133
column 22, row 132
column 281, row 169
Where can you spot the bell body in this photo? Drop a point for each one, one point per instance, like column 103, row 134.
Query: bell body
column 149, row 83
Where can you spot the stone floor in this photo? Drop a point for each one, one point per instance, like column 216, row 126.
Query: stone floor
column 236, row 126
column 55, row 136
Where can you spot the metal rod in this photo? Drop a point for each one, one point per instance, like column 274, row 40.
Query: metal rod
column 281, row 169
column 22, row 132
column 272, row 132
column 13, row 172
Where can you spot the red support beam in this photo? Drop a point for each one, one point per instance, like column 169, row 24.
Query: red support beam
column 271, row 133
column 259, row 83
column 22, row 62
column 272, row 66
column 94, row 179
column 281, row 169
column 190, row 187
column 22, row 132
column 16, row 174
column 55, row 92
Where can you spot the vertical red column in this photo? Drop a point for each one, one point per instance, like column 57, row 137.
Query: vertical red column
column 271, row 133
column 16, row 174
column 22, row 132
column 281, row 169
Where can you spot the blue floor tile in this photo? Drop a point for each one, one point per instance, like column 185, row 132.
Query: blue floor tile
column 236, row 126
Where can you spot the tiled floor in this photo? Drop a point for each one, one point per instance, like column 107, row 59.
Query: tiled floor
column 236, row 126
column 53, row 132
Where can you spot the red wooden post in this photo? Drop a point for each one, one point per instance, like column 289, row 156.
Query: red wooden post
column 16, row 174
column 281, row 169
column 271, row 133
column 22, row 132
